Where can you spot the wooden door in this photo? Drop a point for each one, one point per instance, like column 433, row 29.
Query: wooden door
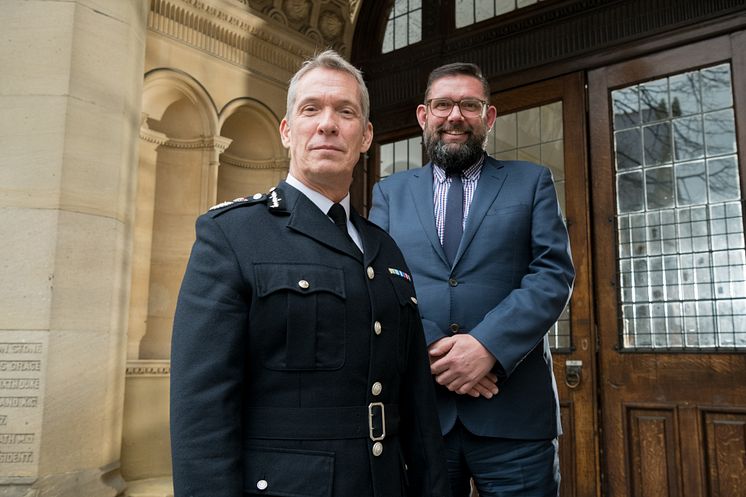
column 545, row 123
column 667, row 153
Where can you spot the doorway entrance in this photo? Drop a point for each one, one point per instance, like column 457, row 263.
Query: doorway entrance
column 670, row 274
column 650, row 355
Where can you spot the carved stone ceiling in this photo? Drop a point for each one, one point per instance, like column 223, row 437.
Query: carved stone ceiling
column 329, row 23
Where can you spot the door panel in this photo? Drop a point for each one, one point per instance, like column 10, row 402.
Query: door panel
column 545, row 123
column 668, row 246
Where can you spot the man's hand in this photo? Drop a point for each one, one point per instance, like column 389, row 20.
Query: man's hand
column 463, row 365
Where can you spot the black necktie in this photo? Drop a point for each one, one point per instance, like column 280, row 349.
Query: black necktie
column 454, row 222
column 339, row 216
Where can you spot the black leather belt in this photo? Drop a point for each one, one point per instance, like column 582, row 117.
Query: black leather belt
column 375, row 421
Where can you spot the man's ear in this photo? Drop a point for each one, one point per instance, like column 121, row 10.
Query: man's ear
column 285, row 133
column 367, row 138
column 491, row 116
column 422, row 115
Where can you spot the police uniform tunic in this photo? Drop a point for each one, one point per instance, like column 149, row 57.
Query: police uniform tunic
column 298, row 364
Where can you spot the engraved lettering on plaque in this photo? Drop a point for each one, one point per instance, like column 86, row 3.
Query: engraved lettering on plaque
column 22, row 365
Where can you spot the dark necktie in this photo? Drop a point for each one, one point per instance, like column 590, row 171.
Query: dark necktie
column 454, row 226
column 339, row 216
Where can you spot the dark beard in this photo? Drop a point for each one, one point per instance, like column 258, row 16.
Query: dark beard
column 454, row 159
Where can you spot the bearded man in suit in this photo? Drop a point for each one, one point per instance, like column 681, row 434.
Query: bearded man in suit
column 490, row 258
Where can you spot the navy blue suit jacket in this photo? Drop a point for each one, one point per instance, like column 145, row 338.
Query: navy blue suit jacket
column 511, row 279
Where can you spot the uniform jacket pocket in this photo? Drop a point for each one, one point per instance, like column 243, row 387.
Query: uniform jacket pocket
column 302, row 316
column 288, row 473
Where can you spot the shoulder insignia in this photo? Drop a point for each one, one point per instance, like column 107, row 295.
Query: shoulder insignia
column 257, row 198
column 276, row 200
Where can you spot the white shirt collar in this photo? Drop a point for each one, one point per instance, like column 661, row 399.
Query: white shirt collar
column 317, row 198
column 324, row 204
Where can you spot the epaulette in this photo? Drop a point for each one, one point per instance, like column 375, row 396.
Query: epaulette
column 274, row 200
column 257, row 198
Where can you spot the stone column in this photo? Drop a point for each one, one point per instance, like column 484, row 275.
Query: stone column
column 216, row 146
column 142, row 237
column 70, row 97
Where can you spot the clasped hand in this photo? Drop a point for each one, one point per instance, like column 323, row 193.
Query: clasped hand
column 463, row 365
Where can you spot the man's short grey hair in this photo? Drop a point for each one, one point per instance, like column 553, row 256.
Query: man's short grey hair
column 329, row 59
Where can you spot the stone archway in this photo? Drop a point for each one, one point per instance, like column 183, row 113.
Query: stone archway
column 255, row 160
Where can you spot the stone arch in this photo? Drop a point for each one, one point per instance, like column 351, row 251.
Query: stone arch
column 177, row 178
column 256, row 159
column 170, row 97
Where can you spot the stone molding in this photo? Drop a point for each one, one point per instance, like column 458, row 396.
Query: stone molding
column 327, row 24
column 219, row 143
column 151, row 136
column 235, row 38
column 148, row 367
column 255, row 163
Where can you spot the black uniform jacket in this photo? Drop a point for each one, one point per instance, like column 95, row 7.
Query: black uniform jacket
column 298, row 365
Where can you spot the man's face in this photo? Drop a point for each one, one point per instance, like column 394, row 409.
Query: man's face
column 455, row 142
column 326, row 131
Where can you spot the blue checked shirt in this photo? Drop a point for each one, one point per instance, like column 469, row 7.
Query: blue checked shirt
column 441, row 184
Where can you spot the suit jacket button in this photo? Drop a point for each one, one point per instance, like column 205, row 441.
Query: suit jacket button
column 371, row 273
column 454, row 327
column 262, row 485
column 377, row 388
column 377, row 449
column 377, row 328
column 453, row 281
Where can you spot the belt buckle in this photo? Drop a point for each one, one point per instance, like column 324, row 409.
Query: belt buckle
column 371, row 428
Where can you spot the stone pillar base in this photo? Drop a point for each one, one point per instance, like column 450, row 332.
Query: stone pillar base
column 99, row 482
column 150, row 487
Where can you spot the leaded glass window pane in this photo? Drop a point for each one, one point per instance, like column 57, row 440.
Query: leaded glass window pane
column 400, row 156
column 404, row 26
column 682, row 268
column 468, row 12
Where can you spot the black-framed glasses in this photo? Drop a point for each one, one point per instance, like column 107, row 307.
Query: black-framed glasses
column 469, row 107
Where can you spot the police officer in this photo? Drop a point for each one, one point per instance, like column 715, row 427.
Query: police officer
column 298, row 364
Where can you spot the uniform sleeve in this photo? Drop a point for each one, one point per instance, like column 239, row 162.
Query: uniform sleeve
column 420, row 433
column 519, row 322
column 207, row 354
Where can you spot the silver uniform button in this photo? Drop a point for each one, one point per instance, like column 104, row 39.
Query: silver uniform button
column 303, row 284
column 377, row 327
column 414, row 300
column 262, row 485
column 371, row 273
column 257, row 196
column 377, row 449
column 377, row 388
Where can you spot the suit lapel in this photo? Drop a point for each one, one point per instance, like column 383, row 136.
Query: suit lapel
column 421, row 186
column 307, row 219
column 491, row 180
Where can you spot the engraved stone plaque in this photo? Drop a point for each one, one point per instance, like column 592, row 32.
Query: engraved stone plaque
column 22, row 366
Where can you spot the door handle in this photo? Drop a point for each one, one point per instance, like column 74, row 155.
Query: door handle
column 572, row 373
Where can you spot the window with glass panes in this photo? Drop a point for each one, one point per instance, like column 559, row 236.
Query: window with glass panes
column 681, row 264
column 404, row 26
column 400, row 156
column 536, row 135
column 472, row 11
